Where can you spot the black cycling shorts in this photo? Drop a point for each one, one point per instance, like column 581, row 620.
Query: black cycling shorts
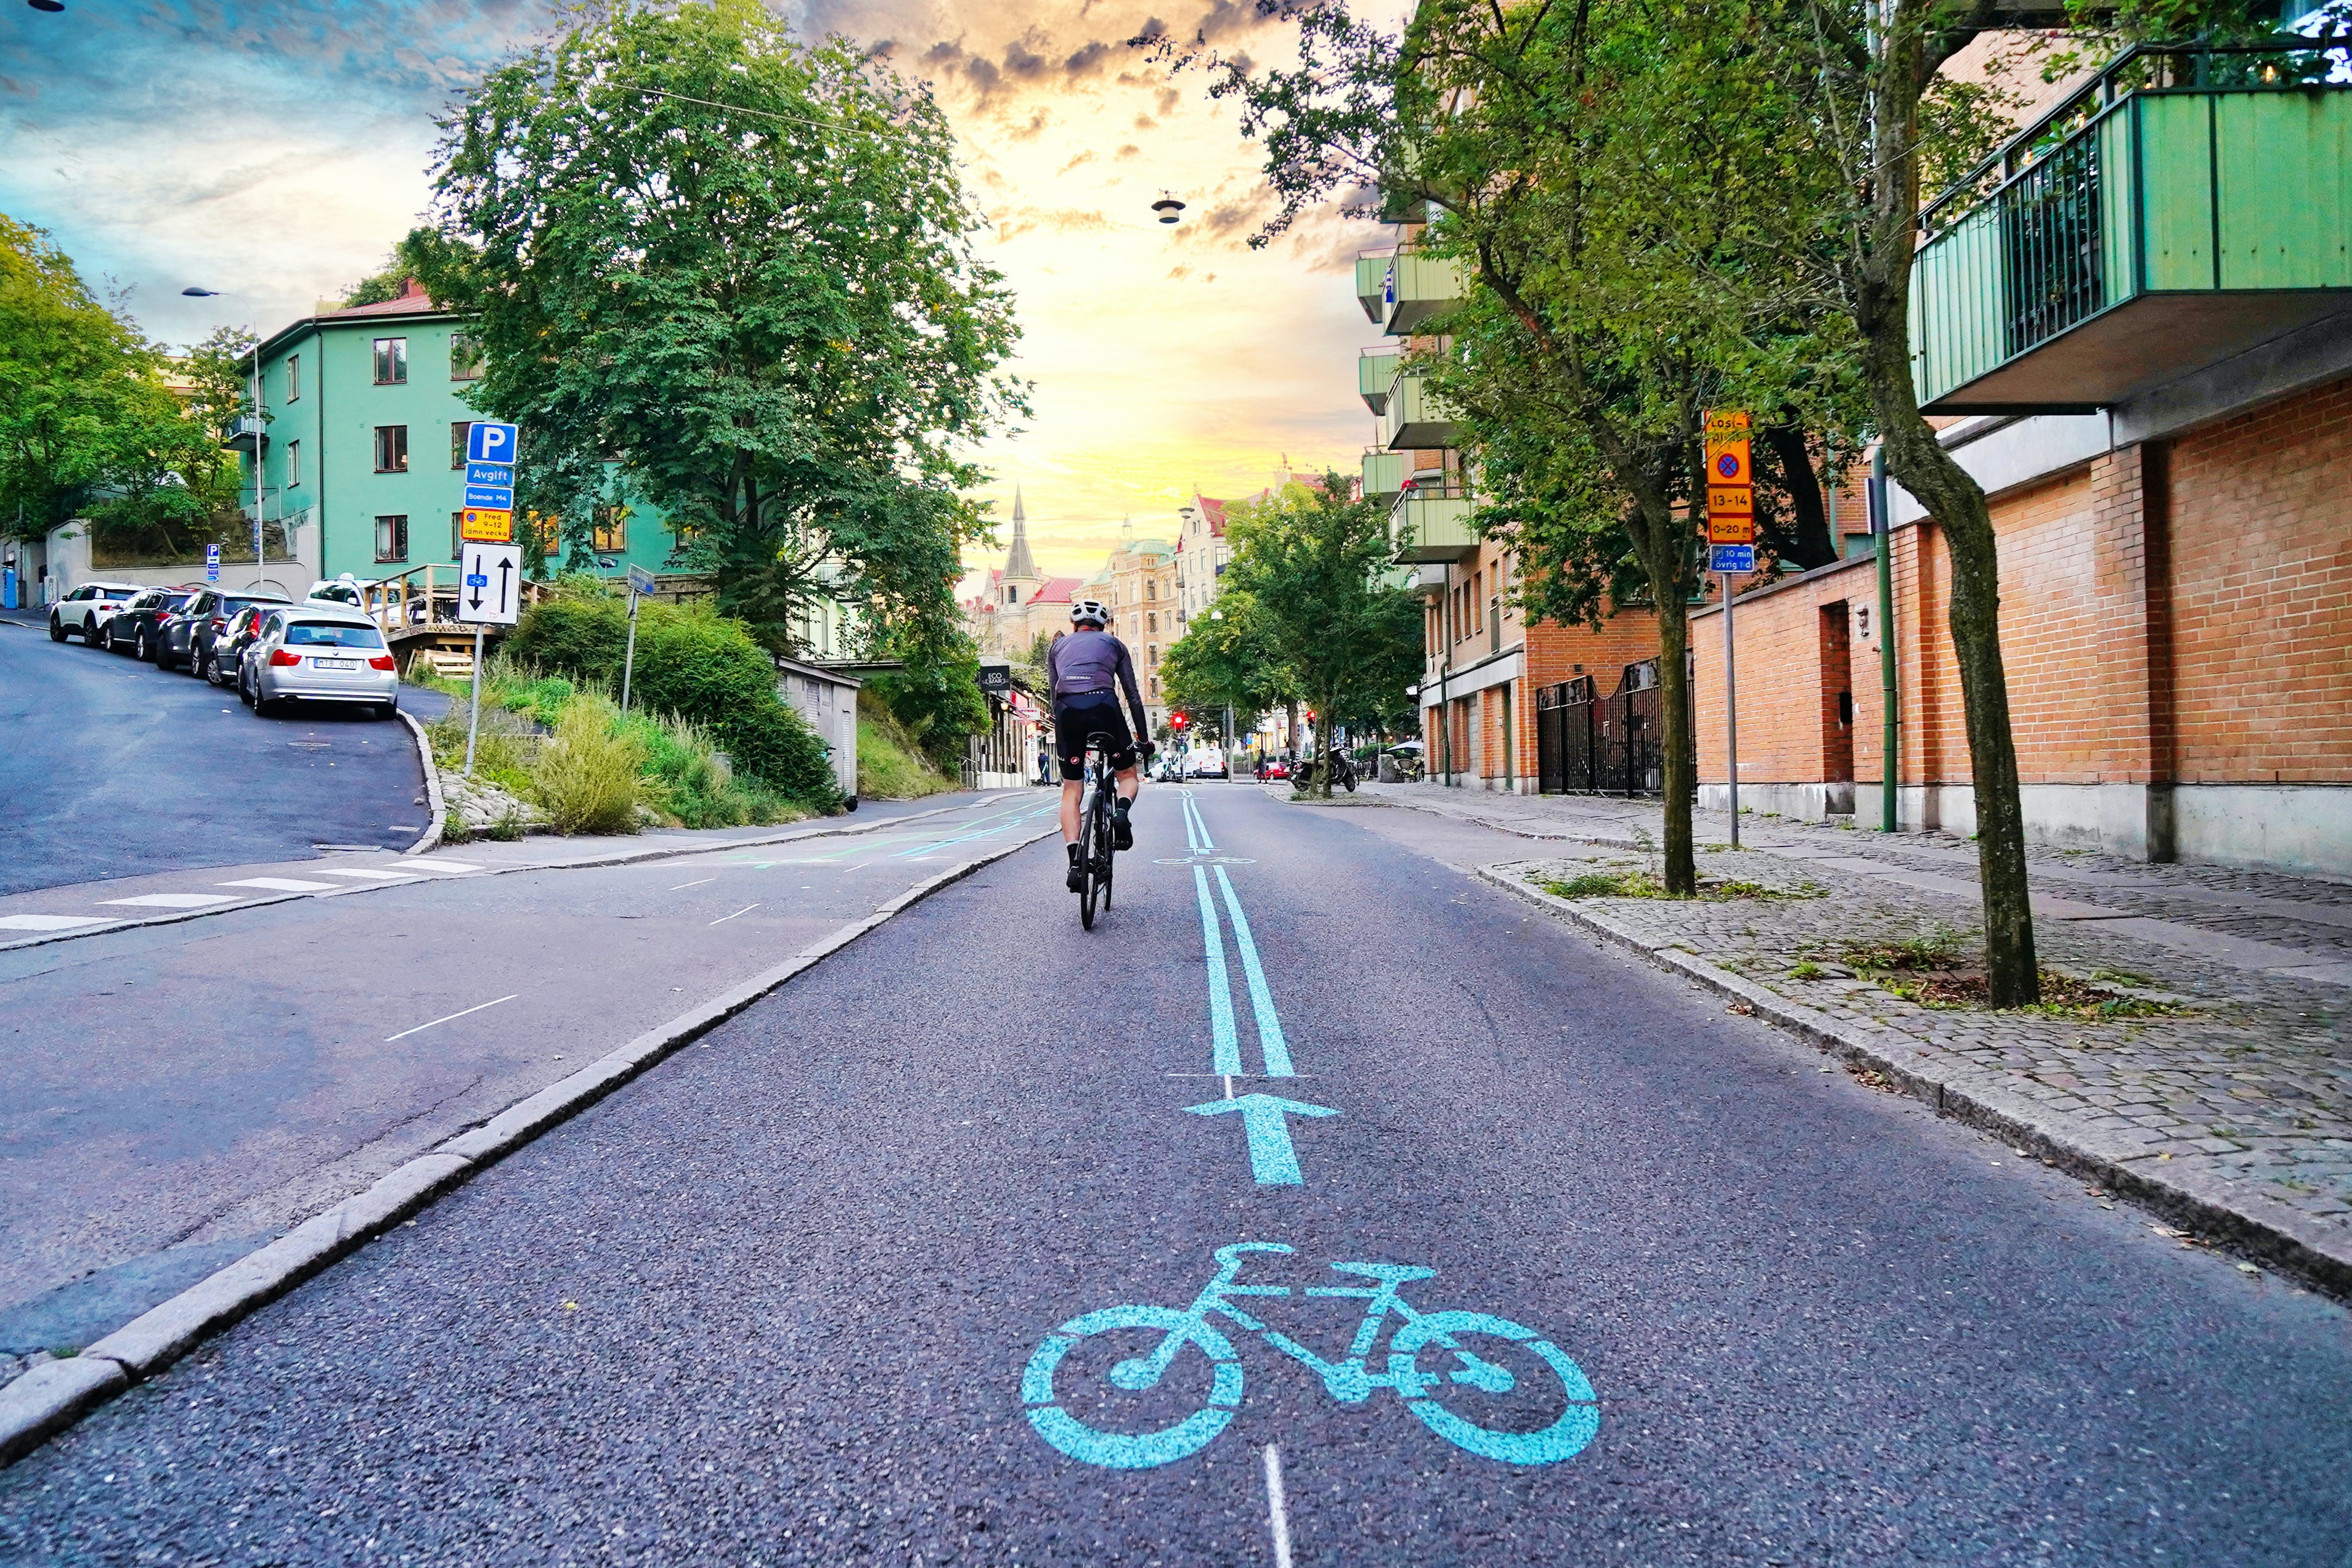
column 1076, row 718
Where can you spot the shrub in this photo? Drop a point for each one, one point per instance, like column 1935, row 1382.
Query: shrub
column 890, row 765
column 587, row 776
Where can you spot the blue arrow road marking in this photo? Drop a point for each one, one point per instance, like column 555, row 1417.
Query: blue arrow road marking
column 1191, row 839
column 1265, row 1121
column 1270, row 1042
column 1196, row 823
column 1227, row 1050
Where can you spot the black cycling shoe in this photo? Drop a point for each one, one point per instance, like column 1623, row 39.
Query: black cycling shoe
column 1076, row 880
column 1122, row 831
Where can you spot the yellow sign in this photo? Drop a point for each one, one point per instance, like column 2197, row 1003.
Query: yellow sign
column 1727, row 463
column 1730, row 501
column 1727, row 423
column 487, row 527
column 1730, row 529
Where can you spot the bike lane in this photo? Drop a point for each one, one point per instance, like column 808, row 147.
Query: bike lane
column 786, row 1299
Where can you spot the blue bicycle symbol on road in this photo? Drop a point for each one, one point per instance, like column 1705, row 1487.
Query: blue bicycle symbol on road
column 1465, row 1396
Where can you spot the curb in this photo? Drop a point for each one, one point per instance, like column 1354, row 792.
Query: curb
column 2287, row 1243
column 51, row 1397
column 431, row 837
column 625, row 857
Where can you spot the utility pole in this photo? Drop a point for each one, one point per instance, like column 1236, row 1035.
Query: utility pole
column 1730, row 708
column 1882, row 534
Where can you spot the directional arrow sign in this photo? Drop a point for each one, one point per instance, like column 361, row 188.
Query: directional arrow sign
column 491, row 574
column 1265, row 1120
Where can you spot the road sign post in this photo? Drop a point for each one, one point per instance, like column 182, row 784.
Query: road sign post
column 1731, row 552
column 489, row 592
column 211, row 563
column 641, row 582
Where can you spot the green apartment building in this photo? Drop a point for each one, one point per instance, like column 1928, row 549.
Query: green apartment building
column 363, row 455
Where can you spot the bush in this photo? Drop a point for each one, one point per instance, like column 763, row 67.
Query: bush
column 691, row 664
column 587, row 776
column 889, row 765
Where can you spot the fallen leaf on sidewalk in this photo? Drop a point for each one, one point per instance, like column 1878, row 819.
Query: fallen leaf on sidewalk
column 2248, row 1268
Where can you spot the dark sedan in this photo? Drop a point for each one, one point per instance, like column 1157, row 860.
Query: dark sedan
column 137, row 625
column 186, row 640
column 229, row 644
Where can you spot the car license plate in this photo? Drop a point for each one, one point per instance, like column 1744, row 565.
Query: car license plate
column 318, row 664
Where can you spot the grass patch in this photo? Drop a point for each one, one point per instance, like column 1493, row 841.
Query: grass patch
column 1935, row 972
column 589, row 777
column 1604, row 884
column 1804, row 969
column 890, row 766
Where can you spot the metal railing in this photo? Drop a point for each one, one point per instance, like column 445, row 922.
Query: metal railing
column 426, row 598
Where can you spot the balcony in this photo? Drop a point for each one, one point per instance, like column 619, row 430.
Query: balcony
column 1376, row 371
column 1418, row 287
column 1383, row 472
column 1412, row 420
column 1372, row 282
column 244, row 434
column 2187, row 206
column 1431, row 523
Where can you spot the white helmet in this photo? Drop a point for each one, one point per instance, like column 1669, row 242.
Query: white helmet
column 1085, row 610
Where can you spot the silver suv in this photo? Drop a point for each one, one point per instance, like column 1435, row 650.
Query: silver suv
column 318, row 653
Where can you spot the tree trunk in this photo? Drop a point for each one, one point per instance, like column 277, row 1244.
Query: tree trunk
column 1810, row 542
column 1322, row 774
column 1679, row 771
column 1958, row 505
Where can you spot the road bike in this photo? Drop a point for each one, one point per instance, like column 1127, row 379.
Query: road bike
column 1096, row 839
column 1463, row 1401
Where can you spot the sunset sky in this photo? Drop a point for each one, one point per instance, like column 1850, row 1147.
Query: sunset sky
column 274, row 149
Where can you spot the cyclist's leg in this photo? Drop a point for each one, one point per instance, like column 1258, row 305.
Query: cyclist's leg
column 1073, row 794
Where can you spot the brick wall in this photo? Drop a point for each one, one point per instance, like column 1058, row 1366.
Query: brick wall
column 1786, row 650
column 2261, row 589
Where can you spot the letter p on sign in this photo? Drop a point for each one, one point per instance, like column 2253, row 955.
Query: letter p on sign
column 490, row 442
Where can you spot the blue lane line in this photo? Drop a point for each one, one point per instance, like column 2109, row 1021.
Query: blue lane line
column 1275, row 1048
column 1191, row 839
column 1227, row 1055
column 1201, row 821
column 964, row 838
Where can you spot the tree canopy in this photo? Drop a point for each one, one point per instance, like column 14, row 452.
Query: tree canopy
column 731, row 273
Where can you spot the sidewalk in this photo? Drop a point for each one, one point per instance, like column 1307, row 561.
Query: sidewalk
column 2227, row 1104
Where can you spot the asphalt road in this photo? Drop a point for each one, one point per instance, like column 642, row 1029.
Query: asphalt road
column 112, row 766
column 178, row 1093
column 820, row 1293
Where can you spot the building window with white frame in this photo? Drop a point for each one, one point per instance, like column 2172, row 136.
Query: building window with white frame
column 293, row 463
column 391, row 361
column 293, row 378
column 391, row 449
column 392, row 539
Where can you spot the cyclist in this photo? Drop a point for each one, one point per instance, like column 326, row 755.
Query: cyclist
column 1085, row 672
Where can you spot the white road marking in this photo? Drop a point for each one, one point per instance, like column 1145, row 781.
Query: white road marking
column 1277, row 1512
column 448, row 865
column 278, row 884
column 724, row 918
column 371, row 875
column 693, row 883
column 404, row 1034
column 49, row 922
column 173, row 900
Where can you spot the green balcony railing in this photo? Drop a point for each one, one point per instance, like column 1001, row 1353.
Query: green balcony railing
column 1431, row 524
column 1412, row 420
column 1376, row 371
column 1384, row 472
column 2188, row 205
column 1419, row 287
column 1372, row 282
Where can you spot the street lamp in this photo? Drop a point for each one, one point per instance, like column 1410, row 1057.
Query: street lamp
column 1228, row 736
column 260, row 560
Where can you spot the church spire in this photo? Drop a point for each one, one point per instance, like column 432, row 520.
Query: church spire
column 1018, row 563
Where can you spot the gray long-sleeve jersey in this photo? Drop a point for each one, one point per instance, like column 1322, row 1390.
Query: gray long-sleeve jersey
column 1086, row 662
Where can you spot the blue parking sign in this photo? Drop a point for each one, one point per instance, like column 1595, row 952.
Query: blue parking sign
column 211, row 563
column 1731, row 558
column 489, row 442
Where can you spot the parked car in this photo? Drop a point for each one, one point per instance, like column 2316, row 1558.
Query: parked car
column 84, row 612
column 318, row 653
column 1272, row 768
column 186, row 639
column 136, row 625
column 227, row 652
column 1209, row 765
column 345, row 590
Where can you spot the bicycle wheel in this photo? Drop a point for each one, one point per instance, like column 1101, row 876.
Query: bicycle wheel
column 1147, row 1329
column 1087, row 839
column 1561, row 1437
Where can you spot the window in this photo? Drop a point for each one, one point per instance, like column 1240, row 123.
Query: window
column 293, row 463
column 1155, row 688
column 391, row 449
column 465, row 357
column 610, row 530
column 336, row 634
column 293, row 378
column 457, row 536
column 457, row 430
column 1153, row 653
column 391, row 361
column 1150, row 622
column 391, row 538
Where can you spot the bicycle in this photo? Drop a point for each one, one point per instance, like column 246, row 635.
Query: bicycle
column 1097, row 842
column 1351, row 1381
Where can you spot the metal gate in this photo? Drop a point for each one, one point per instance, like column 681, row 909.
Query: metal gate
column 1565, row 754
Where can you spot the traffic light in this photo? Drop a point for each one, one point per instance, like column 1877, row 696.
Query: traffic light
column 1176, row 722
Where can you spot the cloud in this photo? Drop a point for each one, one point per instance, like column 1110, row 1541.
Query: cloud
column 946, row 52
column 1086, row 61
column 1038, row 120
column 1228, row 217
column 1023, row 63
column 1128, row 150
column 984, row 76
column 1168, row 99
column 1145, row 122
column 1086, row 157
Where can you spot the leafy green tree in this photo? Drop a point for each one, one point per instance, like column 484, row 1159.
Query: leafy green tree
column 1597, row 193
column 1226, row 658
column 734, row 274
column 1310, row 564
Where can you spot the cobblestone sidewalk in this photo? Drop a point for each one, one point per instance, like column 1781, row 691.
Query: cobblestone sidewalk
column 2227, row 1105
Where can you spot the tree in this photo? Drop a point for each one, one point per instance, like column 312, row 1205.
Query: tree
column 733, row 274
column 1311, row 563
column 1227, row 658
column 1546, row 146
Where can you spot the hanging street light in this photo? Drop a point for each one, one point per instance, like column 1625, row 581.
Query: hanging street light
column 1167, row 206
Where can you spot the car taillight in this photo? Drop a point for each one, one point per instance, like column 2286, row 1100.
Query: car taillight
column 381, row 662
column 279, row 658
column 218, row 623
